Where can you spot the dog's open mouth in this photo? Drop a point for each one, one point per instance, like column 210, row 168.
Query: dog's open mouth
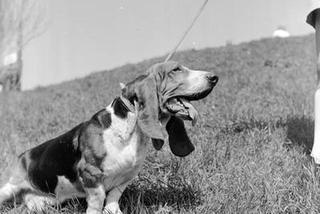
column 182, row 108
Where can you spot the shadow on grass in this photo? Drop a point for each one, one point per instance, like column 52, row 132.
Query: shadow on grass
column 300, row 132
column 299, row 129
column 144, row 196
column 177, row 194
column 247, row 125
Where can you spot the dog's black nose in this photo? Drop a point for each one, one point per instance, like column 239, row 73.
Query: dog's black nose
column 213, row 78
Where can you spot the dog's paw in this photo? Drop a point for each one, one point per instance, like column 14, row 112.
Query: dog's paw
column 38, row 203
column 112, row 208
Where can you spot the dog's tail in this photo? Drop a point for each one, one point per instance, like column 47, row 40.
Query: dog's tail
column 9, row 191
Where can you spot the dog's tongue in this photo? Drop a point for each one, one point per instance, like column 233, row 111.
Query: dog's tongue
column 193, row 113
column 182, row 108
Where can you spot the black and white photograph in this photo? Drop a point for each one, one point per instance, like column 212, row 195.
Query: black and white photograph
column 160, row 107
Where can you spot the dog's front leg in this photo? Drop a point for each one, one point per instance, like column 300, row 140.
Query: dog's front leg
column 112, row 202
column 90, row 177
column 95, row 198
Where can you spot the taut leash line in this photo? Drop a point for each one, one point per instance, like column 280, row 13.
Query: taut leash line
column 171, row 54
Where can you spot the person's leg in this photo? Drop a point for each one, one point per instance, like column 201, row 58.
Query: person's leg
column 316, row 142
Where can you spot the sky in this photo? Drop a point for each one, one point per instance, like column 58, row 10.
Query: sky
column 85, row 36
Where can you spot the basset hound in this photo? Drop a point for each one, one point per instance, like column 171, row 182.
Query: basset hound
column 98, row 158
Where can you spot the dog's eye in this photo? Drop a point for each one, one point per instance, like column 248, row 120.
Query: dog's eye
column 177, row 69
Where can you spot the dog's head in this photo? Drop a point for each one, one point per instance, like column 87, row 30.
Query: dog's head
column 164, row 96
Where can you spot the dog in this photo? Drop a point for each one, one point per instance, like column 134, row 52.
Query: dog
column 98, row 158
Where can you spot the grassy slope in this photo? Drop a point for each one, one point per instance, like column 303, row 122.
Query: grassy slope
column 251, row 141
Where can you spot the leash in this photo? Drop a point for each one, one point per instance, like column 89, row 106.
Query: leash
column 171, row 54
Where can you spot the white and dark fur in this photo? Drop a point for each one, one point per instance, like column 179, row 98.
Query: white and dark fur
column 98, row 158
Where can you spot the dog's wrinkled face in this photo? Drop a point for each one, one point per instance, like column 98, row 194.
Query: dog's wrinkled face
column 164, row 94
column 179, row 85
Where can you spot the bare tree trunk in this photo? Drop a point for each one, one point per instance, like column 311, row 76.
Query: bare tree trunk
column 11, row 77
column 20, row 22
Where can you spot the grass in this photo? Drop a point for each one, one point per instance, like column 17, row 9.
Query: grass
column 252, row 141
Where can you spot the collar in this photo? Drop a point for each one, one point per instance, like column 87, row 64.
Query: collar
column 127, row 104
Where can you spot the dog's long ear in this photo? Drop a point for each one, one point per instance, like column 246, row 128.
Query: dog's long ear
column 148, row 119
column 179, row 142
